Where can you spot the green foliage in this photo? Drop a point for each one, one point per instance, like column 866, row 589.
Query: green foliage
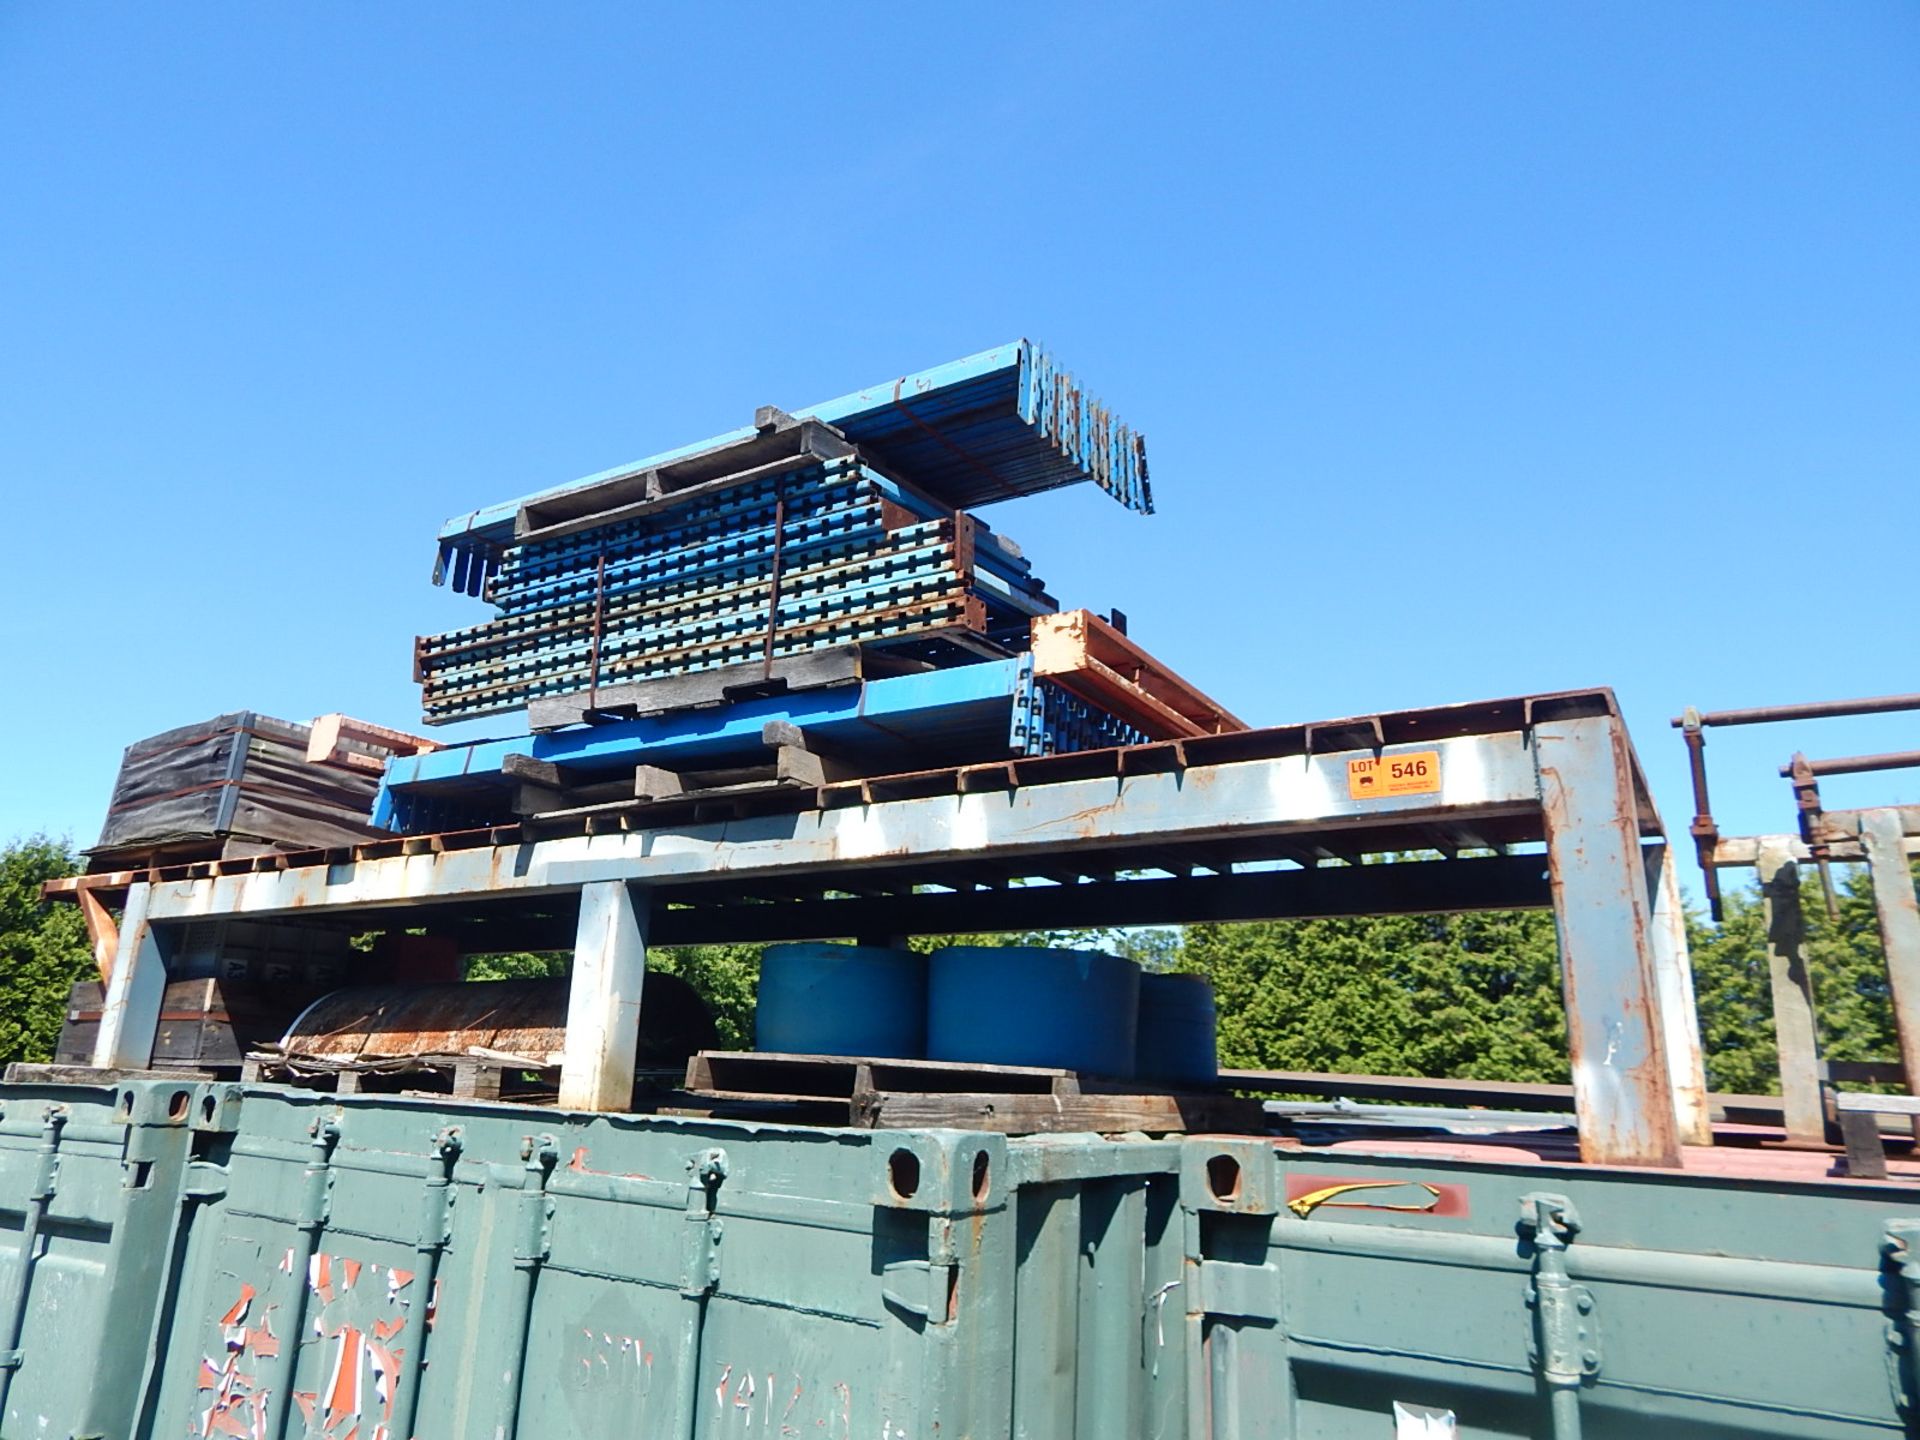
column 727, row 977
column 519, row 965
column 43, row 949
column 1464, row 996
column 1477, row 997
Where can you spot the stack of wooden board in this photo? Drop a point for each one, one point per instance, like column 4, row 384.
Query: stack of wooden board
column 234, row 785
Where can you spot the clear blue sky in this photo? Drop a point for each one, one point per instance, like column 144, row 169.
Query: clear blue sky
column 1481, row 349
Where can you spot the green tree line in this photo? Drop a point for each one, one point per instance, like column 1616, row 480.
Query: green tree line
column 1474, row 996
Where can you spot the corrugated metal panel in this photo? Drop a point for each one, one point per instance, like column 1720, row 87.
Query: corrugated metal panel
column 494, row 1271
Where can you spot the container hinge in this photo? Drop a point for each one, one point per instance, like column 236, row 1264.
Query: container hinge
column 1902, row 1250
column 538, row 1155
column 1565, row 1344
column 206, row 1180
column 704, row 1229
column 920, row 1287
column 1241, row 1291
column 436, row 1195
column 11, row 1359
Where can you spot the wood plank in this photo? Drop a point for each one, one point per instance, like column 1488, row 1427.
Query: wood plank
column 22, row 1072
column 1866, row 1153
column 841, row 1077
column 349, row 744
column 1866, row 1072
column 1846, row 1101
column 838, row 665
column 1052, row 1114
column 1503, row 1094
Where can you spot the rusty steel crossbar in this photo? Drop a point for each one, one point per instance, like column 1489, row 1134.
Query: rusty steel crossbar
column 1884, row 838
column 1851, row 764
column 1813, row 710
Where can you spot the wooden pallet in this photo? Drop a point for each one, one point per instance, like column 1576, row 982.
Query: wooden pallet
column 477, row 1075
column 791, row 764
column 884, row 1094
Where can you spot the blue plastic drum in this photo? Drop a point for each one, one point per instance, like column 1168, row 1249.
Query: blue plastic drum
column 1179, row 1040
column 1074, row 1009
column 842, row 1000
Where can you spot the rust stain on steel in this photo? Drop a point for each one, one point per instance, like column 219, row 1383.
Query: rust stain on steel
column 578, row 1165
column 1638, row 1022
column 521, row 1017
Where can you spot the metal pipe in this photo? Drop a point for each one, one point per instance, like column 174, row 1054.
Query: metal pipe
column 534, row 1211
column 1566, row 1414
column 1806, row 797
column 1814, row 710
column 707, row 1169
column 312, row 1219
column 1853, row 764
column 1706, row 834
column 1564, row 1353
column 431, row 1243
column 45, row 1180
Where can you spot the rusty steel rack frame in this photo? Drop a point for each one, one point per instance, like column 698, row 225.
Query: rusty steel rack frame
column 1883, row 838
column 1530, row 802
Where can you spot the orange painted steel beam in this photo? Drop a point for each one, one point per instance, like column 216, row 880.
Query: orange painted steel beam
column 1086, row 655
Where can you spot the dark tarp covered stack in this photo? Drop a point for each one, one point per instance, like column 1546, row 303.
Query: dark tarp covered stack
column 234, row 785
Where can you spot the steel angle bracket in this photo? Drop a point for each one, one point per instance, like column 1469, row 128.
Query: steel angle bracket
column 921, row 1287
column 1239, row 1291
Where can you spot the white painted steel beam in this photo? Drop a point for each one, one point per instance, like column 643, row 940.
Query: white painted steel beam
column 1479, row 775
column 1738, row 852
column 130, row 1018
column 1622, row 1084
column 1673, row 980
column 603, row 1001
column 1573, row 781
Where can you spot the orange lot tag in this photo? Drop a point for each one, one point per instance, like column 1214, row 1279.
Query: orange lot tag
column 1415, row 774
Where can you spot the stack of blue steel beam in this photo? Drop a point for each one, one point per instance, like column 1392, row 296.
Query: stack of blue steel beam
column 826, row 553
column 996, row 425
column 959, row 715
column 841, row 528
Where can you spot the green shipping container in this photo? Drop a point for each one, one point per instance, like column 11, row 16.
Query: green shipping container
column 1371, row 1295
column 208, row 1260
column 389, row 1268
column 96, row 1184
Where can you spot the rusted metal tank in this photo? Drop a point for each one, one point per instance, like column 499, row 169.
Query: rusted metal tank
column 525, row 1018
